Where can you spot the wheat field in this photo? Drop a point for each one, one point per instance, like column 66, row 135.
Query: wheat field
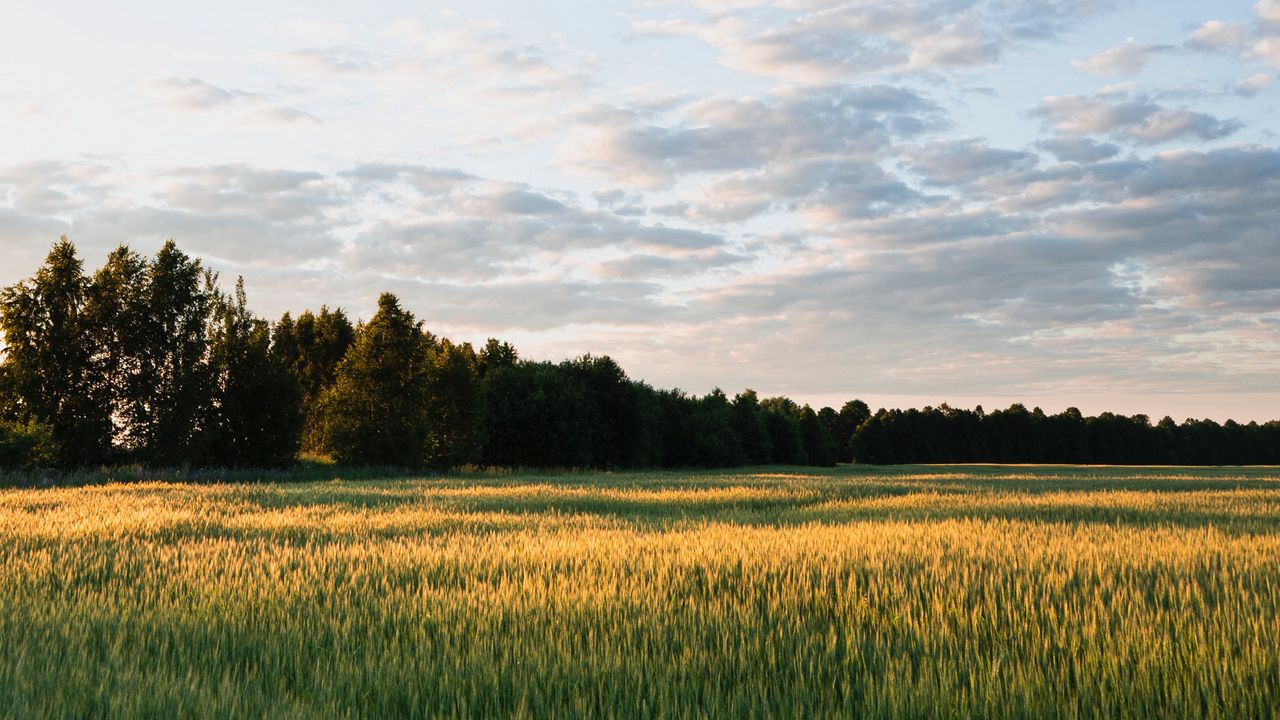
column 858, row 592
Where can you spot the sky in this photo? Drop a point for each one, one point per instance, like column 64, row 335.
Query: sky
column 1055, row 202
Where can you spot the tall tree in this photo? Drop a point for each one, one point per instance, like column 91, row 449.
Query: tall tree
column 377, row 412
column 169, row 398
column 819, row 448
column 851, row 416
column 118, row 313
column 749, row 422
column 496, row 354
column 255, row 414
column 312, row 346
column 48, row 358
column 453, row 404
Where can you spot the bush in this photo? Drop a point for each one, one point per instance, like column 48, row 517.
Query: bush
column 25, row 446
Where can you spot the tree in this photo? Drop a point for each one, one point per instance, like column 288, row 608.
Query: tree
column 819, row 448
column 537, row 415
column 118, row 314
column 453, row 404
column 785, row 438
column 48, row 359
column 752, row 430
column 168, row 399
column 496, row 354
column 311, row 347
column 24, row 446
column 851, row 417
column 256, row 406
column 377, row 411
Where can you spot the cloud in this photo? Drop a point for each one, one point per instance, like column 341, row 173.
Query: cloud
column 192, row 95
column 821, row 41
column 1256, row 39
column 1253, row 85
column 1079, row 149
column 1125, row 59
column 955, row 162
column 1134, row 119
column 1217, row 35
column 800, row 136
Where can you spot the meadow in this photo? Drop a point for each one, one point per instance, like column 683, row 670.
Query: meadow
column 982, row 592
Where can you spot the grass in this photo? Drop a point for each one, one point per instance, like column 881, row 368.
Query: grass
column 971, row 591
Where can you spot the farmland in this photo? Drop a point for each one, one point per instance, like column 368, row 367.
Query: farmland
column 957, row 591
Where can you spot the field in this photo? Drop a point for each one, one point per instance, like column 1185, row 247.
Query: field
column 857, row 592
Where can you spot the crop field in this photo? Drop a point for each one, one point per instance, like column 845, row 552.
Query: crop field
column 976, row 592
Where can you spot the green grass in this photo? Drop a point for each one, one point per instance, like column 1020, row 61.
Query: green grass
column 923, row 591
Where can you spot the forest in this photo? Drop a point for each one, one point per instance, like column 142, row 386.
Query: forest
column 149, row 361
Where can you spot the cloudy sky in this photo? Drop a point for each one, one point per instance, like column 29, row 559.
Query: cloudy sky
column 1061, row 202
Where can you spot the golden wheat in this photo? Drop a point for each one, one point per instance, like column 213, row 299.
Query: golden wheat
column 936, row 592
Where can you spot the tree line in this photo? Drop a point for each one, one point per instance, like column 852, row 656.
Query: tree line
column 147, row 360
column 1017, row 435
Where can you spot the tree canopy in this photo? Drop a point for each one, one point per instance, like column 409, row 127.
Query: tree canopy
column 149, row 360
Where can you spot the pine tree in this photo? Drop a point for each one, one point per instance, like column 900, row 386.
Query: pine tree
column 377, row 413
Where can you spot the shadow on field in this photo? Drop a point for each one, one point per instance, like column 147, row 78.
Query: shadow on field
column 1230, row 504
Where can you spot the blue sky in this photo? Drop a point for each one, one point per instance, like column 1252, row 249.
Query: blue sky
column 1060, row 202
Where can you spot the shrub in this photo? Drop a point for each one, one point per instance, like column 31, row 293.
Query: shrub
column 26, row 445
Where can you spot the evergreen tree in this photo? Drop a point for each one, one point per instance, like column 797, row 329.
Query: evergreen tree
column 537, row 415
column 377, row 411
column 785, row 438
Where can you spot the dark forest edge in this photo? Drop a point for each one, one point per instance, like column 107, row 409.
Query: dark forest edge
column 149, row 363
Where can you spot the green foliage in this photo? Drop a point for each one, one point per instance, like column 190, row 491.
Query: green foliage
column 255, row 413
column 312, row 347
column 785, row 435
column 1018, row 435
column 496, row 354
column 846, row 422
column 148, row 361
column 752, row 428
column 48, row 360
column 26, row 446
column 536, row 417
column 171, row 393
column 453, row 405
column 118, row 313
column 378, row 410
column 819, row 448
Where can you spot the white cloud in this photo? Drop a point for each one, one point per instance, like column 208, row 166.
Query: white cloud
column 1128, row 58
column 1253, row 85
column 821, row 41
column 192, row 95
column 1136, row 119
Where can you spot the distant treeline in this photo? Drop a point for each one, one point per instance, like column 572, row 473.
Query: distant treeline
column 1017, row 435
column 148, row 361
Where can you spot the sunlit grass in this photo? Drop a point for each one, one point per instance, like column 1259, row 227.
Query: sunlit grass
column 908, row 592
